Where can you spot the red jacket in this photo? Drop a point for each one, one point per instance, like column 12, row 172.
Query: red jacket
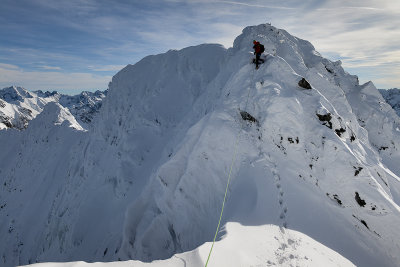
column 257, row 48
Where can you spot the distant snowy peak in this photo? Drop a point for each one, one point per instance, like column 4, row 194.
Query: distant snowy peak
column 55, row 114
column 40, row 93
column 85, row 105
column 392, row 97
column 18, row 106
column 13, row 94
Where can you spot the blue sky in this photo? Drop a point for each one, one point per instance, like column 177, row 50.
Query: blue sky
column 80, row 44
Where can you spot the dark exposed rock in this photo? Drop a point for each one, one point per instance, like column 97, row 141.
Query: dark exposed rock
column 305, row 84
column 335, row 197
column 358, row 170
column 6, row 120
column 326, row 118
column 247, row 117
column 363, row 222
column 340, row 131
column 328, row 70
column 360, row 201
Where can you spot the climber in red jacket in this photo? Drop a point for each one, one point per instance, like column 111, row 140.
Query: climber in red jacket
column 258, row 50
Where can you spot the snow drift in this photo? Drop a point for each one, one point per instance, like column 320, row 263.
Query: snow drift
column 148, row 180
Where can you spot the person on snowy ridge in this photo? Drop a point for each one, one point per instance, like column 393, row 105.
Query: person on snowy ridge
column 258, row 50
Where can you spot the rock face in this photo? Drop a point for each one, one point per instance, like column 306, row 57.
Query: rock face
column 247, row 117
column 304, row 84
column 18, row 106
column 147, row 181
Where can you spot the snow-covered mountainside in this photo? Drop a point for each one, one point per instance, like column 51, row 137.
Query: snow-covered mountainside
column 18, row 106
column 314, row 171
column 392, row 97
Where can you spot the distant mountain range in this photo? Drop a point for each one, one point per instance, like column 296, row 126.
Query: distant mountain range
column 18, row 106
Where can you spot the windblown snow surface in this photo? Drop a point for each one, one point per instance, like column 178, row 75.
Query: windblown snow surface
column 315, row 181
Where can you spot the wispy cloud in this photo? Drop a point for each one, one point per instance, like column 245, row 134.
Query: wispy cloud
column 351, row 8
column 8, row 66
column 255, row 5
column 50, row 67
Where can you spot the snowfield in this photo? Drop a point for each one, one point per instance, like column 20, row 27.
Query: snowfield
column 315, row 181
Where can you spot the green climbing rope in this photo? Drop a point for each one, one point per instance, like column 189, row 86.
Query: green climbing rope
column 223, row 202
column 229, row 177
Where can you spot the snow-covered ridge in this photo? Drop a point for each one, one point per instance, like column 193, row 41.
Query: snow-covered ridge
column 243, row 247
column 148, row 181
column 392, row 97
column 18, row 106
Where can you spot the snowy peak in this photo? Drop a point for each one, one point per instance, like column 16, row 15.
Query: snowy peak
column 55, row 114
column 40, row 93
column 14, row 94
column 298, row 53
column 137, row 96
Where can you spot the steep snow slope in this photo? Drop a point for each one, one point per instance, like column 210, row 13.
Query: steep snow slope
column 103, row 175
column 18, row 106
column 149, row 180
column 34, row 170
column 392, row 97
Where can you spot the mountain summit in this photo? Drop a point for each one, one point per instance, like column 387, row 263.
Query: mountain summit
column 316, row 171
